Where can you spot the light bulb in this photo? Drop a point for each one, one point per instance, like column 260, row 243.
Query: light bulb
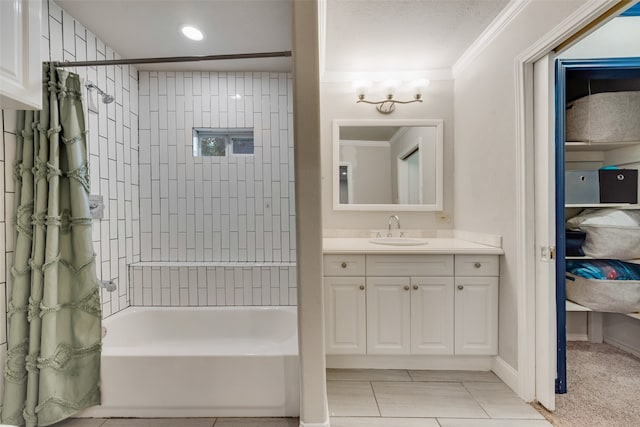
column 361, row 87
column 192, row 33
column 390, row 86
column 420, row 85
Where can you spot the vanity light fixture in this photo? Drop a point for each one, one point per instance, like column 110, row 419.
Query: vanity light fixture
column 192, row 33
column 388, row 105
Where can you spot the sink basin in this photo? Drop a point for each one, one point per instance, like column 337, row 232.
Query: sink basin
column 398, row 241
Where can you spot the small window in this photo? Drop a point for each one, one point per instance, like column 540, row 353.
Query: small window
column 212, row 146
column 242, row 145
column 211, row 142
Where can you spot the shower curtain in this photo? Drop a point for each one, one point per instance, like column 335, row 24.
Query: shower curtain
column 52, row 369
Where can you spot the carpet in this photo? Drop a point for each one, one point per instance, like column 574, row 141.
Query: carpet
column 603, row 388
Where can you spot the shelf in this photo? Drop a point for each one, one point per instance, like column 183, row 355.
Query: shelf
column 602, row 205
column 572, row 306
column 596, row 146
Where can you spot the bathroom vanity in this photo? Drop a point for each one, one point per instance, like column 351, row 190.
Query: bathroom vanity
column 438, row 298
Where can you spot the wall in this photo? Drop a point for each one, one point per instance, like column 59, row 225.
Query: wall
column 213, row 284
column 616, row 39
column 338, row 101
column 204, row 212
column 6, row 257
column 485, row 194
column 314, row 411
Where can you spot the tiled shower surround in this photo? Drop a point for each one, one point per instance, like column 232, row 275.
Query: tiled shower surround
column 231, row 215
column 213, row 284
column 113, row 155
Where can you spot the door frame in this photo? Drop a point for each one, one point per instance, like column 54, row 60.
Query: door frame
column 601, row 67
column 529, row 365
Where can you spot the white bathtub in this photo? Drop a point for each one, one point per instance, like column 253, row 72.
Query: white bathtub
column 200, row 362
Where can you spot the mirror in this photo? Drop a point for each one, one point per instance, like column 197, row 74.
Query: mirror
column 387, row 165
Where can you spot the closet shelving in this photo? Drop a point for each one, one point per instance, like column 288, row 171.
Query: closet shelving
column 602, row 205
column 590, row 155
column 570, row 305
column 595, row 146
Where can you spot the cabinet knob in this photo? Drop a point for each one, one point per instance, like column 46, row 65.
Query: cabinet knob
column 343, row 265
column 362, row 287
column 460, row 287
column 415, row 287
column 477, row 265
column 406, row 287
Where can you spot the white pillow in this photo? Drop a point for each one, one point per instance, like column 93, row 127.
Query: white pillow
column 611, row 233
column 614, row 217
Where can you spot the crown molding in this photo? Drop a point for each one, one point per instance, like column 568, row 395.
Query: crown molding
column 494, row 29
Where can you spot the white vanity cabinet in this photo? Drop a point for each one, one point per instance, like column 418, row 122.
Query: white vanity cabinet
column 432, row 315
column 410, row 315
column 400, row 319
column 344, row 304
column 411, row 304
column 476, row 302
column 388, row 315
column 20, row 66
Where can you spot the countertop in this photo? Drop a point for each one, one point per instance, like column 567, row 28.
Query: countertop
column 435, row 245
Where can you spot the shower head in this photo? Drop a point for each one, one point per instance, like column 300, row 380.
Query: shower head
column 106, row 98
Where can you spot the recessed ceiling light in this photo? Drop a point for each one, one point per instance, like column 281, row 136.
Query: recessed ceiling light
column 192, row 33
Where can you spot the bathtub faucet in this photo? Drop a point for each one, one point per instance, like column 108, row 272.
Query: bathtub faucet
column 108, row 285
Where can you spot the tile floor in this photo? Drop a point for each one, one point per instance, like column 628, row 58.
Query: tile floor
column 387, row 398
column 408, row 398
column 180, row 422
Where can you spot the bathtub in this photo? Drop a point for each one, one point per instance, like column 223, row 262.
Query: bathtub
column 200, row 362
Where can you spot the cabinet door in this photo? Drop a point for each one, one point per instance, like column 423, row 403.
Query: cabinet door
column 388, row 315
column 432, row 315
column 476, row 315
column 20, row 66
column 345, row 318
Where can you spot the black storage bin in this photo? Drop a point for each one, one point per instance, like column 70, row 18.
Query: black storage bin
column 618, row 185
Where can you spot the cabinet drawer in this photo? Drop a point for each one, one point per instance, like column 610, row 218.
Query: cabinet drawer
column 344, row 265
column 409, row 265
column 477, row 265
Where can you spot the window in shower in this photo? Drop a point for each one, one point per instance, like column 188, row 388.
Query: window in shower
column 213, row 142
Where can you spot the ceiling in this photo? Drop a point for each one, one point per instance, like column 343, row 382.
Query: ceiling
column 151, row 28
column 360, row 35
column 402, row 35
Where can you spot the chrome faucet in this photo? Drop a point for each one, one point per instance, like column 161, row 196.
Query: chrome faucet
column 389, row 225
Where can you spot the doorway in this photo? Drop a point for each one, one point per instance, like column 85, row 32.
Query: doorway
column 536, row 131
column 580, row 81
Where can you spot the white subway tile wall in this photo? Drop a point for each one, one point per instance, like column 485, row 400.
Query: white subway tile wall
column 6, row 175
column 213, row 284
column 113, row 150
column 203, row 212
column 236, row 208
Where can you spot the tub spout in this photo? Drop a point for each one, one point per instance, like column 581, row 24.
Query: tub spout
column 108, row 285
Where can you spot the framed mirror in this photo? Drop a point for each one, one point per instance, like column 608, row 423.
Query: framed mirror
column 387, row 165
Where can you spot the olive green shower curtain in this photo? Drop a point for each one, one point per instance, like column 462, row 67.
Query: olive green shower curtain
column 52, row 369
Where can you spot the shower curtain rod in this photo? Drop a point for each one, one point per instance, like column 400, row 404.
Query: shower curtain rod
column 170, row 59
